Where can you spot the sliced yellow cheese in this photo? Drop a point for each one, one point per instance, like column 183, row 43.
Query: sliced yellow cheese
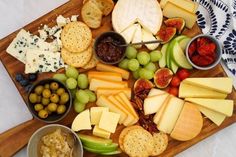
column 185, row 4
column 109, row 121
column 222, row 106
column 215, row 117
column 100, row 83
column 104, row 102
column 130, row 119
column 219, row 84
column 100, row 132
column 137, row 36
column 129, row 32
column 158, row 115
column 148, row 36
column 192, row 91
column 196, row 5
column 153, row 104
column 155, row 91
column 110, row 76
column 170, row 115
column 171, row 10
column 189, row 123
column 95, row 114
column 110, row 68
column 112, row 91
column 82, row 121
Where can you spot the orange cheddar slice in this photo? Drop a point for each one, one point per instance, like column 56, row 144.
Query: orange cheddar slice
column 96, row 83
column 110, row 76
column 112, row 91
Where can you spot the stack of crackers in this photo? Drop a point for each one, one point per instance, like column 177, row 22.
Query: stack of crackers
column 77, row 45
column 138, row 142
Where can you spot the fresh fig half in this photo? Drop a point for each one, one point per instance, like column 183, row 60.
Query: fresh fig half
column 162, row 77
column 166, row 34
column 141, row 85
column 177, row 22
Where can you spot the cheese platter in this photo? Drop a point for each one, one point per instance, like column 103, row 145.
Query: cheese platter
column 149, row 91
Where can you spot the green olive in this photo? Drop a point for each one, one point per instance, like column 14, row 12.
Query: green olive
column 39, row 99
column 38, row 107
column 61, row 109
column 60, row 91
column 43, row 114
column 45, row 101
column 54, row 86
column 46, row 93
column 33, row 98
column 39, row 89
column 64, row 98
column 46, row 109
column 47, row 86
column 52, row 107
column 54, row 98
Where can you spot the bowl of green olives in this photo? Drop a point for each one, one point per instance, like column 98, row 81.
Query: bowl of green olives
column 49, row 100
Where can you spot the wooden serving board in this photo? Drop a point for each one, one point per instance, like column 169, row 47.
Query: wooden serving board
column 16, row 138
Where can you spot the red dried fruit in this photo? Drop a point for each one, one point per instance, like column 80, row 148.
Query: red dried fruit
column 166, row 34
column 192, row 48
column 183, row 74
column 141, row 85
column 178, row 23
column 174, row 91
column 175, row 82
column 162, row 77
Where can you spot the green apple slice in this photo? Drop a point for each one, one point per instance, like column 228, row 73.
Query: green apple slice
column 94, row 141
column 184, row 42
column 162, row 62
column 174, row 67
column 100, row 150
column 178, row 56
column 181, row 37
column 110, row 147
column 112, row 153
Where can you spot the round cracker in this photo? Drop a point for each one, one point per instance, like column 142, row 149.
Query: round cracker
column 76, row 37
column 76, row 59
column 124, row 133
column 138, row 143
column 92, row 63
column 160, row 143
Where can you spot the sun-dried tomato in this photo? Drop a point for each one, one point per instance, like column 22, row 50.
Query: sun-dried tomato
column 192, row 48
column 202, row 60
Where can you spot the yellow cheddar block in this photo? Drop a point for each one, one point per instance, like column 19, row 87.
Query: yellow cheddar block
column 110, row 76
column 100, row 132
column 110, row 68
column 158, row 115
column 219, row 84
column 218, row 105
column 215, row 117
column 112, row 91
column 95, row 114
column 192, row 91
column 171, row 10
column 170, row 115
column 100, row 83
column 109, row 121
column 103, row 101
column 189, row 123
column 185, row 4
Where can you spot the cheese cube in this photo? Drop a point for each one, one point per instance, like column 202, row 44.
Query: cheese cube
column 109, row 121
column 100, row 132
column 95, row 114
column 61, row 21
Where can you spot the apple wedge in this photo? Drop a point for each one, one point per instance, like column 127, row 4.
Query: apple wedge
column 162, row 62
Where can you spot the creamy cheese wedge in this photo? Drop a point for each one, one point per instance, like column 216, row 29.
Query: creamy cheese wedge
column 137, row 36
column 148, row 36
column 128, row 33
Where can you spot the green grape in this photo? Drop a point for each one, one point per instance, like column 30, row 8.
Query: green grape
column 150, row 66
column 71, row 83
column 78, row 106
column 146, row 74
column 133, row 64
column 143, row 57
column 83, row 81
column 136, row 74
column 73, row 92
column 131, row 52
column 72, row 72
column 82, row 96
column 124, row 64
column 92, row 95
column 155, row 56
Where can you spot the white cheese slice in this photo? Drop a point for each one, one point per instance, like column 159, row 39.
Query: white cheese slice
column 61, row 21
column 148, row 36
column 137, row 36
column 128, row 33
column 147, row 12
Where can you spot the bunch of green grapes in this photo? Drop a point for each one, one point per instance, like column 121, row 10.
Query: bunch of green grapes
column 77, row 84
column 142, row 64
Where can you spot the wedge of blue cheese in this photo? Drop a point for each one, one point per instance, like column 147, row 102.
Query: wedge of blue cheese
column 24, row 41
column 42, row 61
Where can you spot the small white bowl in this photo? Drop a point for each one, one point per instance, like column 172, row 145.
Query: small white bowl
column 218, row 51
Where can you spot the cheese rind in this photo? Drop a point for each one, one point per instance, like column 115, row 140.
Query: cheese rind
column 109, row 121
column 95, row 114
column 192, row 91
column 170, row 115
column 100, row 132
column 222, row 106
column 219, row 84
column 215, row 117
column 82, row 121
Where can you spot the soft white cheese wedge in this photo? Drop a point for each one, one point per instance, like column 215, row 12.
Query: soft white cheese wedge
column 137, row 36
column 148, row 36
column 128, row 33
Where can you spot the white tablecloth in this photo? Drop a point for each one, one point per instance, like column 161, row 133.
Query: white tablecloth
column 16, row 13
